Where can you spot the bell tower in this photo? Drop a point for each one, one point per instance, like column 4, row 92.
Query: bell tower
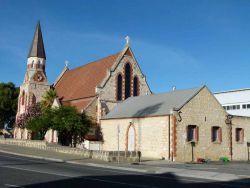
column 35, row 82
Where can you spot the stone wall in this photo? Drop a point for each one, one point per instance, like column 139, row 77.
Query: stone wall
column 108, row 92
column 203, row 111
column 151, row 135
column 109, row 156
column 240, row 148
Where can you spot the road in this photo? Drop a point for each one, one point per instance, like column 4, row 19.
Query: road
column 16, row 171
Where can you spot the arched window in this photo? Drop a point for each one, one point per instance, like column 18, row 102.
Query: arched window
column 136, row 86
column 119, row 88
column 127, row 80
column 22, row 98
column 32, row 64
column 33, row 99
column 38, row 64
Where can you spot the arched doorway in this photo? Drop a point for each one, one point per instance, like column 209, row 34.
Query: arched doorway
column 131, row 138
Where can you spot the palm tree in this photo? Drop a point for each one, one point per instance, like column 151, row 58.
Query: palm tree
column 48, row 98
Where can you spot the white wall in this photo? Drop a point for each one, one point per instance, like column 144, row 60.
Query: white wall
column 235, row 97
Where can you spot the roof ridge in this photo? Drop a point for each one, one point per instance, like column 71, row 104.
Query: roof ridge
column 96, row 61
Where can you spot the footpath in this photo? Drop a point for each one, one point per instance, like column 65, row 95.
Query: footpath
column 214, row 172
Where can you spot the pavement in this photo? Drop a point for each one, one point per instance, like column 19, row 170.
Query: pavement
column 218, row 172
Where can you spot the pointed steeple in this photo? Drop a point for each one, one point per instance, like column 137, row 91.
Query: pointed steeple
column 37, row 47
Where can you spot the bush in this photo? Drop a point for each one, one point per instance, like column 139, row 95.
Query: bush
column 224, row 159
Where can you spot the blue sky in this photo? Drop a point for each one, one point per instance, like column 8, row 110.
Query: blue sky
column 176, row 43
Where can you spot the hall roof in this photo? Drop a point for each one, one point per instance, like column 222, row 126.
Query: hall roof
column 81, row 82
column 153, row 105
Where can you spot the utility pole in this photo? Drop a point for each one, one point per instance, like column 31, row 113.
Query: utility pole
column 118, row 142
column 248, row 145
column 192, row 146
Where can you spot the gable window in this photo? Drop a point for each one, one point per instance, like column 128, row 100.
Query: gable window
column 239, row 135
column 216, row 134
column 136, row 86
column 127, row 80
column 192, row 133
column 119, row 88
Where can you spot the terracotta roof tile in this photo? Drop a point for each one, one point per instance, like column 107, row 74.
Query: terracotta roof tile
column 82, row 81
column 79, row 104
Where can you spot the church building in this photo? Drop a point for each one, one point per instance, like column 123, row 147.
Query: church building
column 94, row 88
column 35, row 82
column 180, row 125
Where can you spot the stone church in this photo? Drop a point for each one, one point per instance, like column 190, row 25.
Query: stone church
column 180, row 125
column 94, row 88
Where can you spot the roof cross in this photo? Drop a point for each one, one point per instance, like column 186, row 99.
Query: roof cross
column 127, row 40
column 66, row 63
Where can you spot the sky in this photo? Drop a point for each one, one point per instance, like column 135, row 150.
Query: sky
column 176, row 43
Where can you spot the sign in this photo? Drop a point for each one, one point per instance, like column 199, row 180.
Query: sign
column 192, row 143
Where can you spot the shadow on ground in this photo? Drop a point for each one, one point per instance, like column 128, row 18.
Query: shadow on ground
column 147, row 181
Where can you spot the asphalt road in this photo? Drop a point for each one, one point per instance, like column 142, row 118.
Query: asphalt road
column 18, row 171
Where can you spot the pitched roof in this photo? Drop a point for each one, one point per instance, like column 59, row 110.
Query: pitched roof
column 79, row 105
column 153, row 105
column 37, row 46
column 82, row 81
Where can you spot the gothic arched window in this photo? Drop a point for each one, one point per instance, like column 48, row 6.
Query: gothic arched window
column 22, row 98
column 33, row 99
column 119, row 88
column 127, row 80
column 136, row 86
column 38, row 64
column 32, row 64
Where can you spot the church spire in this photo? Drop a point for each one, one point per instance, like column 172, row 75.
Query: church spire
column 37, row 47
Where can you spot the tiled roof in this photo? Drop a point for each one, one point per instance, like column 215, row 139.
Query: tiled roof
column 82, row 81
column 79, row 104
column 153, row 105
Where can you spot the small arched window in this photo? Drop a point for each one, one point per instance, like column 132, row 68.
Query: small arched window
column 136, row 86
column 127, row 80
column 38, row 64
column 32, row 64
column 33, row 99
column 119, row 88
column 22, row 98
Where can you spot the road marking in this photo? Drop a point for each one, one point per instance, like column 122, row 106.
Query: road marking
column 37, row 171
column 10, row 185
column 108, row 170
column 244, row 176
column 82, row 177
column 115, row 167
column 32, row 156
column 204, row 168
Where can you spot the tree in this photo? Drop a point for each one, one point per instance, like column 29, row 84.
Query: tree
column 71, row 125
column 8, row 102
column 48, row 98
column 39, row 125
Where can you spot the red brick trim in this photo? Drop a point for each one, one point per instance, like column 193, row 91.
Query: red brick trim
column 174, row 136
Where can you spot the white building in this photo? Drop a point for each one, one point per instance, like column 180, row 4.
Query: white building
column 235, row 102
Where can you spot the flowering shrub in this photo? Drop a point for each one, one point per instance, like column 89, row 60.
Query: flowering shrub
column 32, row 112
